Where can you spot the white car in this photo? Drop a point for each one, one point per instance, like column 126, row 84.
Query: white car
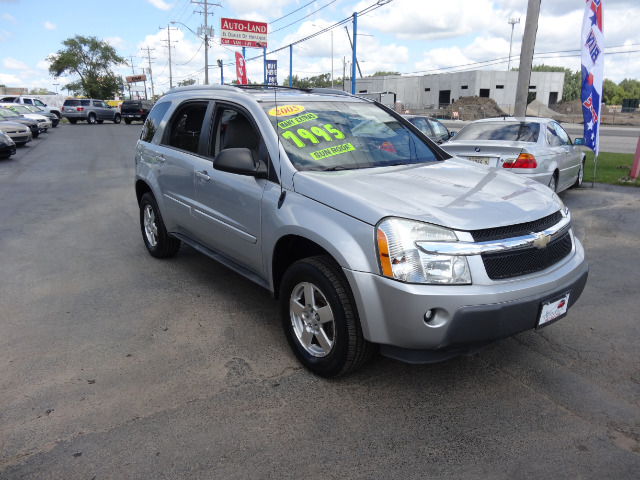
column 538, row 148
column 43, row 122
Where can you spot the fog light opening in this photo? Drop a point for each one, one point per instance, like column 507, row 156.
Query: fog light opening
column 428, row 316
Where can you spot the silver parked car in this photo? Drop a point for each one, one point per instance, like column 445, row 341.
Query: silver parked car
column 370, row 236
column 431, row 127
column 90, row 110
column 538, row 148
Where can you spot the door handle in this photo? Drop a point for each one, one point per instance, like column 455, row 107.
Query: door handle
column 160, row 159
column 203, row 175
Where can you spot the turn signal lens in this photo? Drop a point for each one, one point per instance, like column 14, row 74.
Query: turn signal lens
column 383, row 251
column 524, row 160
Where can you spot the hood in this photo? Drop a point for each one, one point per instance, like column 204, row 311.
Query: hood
column 452, row 193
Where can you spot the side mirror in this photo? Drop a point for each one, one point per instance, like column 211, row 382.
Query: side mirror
column 240, row 161
column 452, row 134
column 579, row 141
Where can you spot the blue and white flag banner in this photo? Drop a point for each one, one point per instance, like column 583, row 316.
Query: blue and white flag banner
column 272, row 72
column 592, row 72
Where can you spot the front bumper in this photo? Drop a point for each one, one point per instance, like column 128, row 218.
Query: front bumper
column 462, row 317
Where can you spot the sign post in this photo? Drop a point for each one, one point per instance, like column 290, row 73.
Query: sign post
column 635, row 168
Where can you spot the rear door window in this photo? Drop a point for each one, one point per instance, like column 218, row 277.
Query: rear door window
column 185, row 127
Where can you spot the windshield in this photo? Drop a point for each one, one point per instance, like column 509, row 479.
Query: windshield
column 21, row 109
column 5, row 112
column 342, row 135
column 505, row 131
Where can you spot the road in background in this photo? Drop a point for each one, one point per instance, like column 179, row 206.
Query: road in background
column 118, row 365
column 613, row 139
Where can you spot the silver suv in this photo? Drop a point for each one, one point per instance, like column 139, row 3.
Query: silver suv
column 369, row 235
column 89, row 110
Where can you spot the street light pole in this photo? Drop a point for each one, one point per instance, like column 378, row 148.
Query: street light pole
column 526, row 57
column 512, row 22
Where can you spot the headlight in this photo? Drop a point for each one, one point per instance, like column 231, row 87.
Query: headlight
column 401, row 259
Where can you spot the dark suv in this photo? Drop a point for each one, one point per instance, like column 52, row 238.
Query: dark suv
column 135, row 110
column 89, row 110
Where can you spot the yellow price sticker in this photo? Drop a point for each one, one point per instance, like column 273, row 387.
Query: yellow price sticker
column 331, row 151
column 285, row 110
column 292, row 122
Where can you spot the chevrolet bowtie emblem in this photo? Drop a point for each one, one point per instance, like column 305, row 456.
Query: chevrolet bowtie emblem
column 541, row 240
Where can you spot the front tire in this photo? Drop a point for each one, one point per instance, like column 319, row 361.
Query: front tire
column 117, row 118
column 319, row 318
column 127, row 121
column 158, row 242
column 91, row 119
column 580, row 178
column 73, row 121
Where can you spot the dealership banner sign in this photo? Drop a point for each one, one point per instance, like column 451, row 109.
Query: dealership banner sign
column 272, row 72
column 243, row 33
column 241, row 71
column 592, row 72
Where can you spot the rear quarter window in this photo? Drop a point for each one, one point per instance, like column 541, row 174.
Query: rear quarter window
column 151, row 124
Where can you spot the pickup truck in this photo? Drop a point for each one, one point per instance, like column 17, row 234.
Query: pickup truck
column 135, row 110
column 29, row 100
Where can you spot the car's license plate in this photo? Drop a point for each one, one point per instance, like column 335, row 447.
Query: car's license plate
column 482, row 160
column 553, row 310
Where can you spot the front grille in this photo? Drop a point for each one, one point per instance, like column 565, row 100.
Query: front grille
column 516, row 230
column 521, row 262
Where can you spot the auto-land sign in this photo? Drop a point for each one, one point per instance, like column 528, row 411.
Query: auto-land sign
column 243, row 33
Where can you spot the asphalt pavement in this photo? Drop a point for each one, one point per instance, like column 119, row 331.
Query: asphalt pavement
column 116, row 365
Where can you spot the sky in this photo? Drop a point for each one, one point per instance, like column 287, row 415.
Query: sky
column 412, row 37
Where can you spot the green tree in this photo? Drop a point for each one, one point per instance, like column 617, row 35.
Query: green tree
column 631, row 88
column 382, row 74
column 39, row 91
column 323, row 81
column 91, row 60
column 187, row 82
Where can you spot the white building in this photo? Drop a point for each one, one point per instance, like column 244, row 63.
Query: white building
column 435, row 91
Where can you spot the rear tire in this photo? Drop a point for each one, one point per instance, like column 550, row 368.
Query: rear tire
column 553, row 182
column 100, row 121
column 158, row 242
column 320, row 320
column 73, row 121
column 127, row 121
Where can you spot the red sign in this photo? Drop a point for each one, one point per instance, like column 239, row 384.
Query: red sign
column 241, row 71
column 243, row 33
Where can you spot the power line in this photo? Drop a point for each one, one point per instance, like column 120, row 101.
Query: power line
column 306, row 16
column 291, row 13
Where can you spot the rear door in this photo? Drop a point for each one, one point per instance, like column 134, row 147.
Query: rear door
column 572, row 157
column 176, row 157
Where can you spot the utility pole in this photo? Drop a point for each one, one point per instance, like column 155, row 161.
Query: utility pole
column 204, row 5
column 350, row 43
column 512, row 22
column 150, row 74
column 526, row 58
column 168, row 40
column 133, row 72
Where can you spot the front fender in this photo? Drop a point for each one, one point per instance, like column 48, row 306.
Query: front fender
column 351, row 242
